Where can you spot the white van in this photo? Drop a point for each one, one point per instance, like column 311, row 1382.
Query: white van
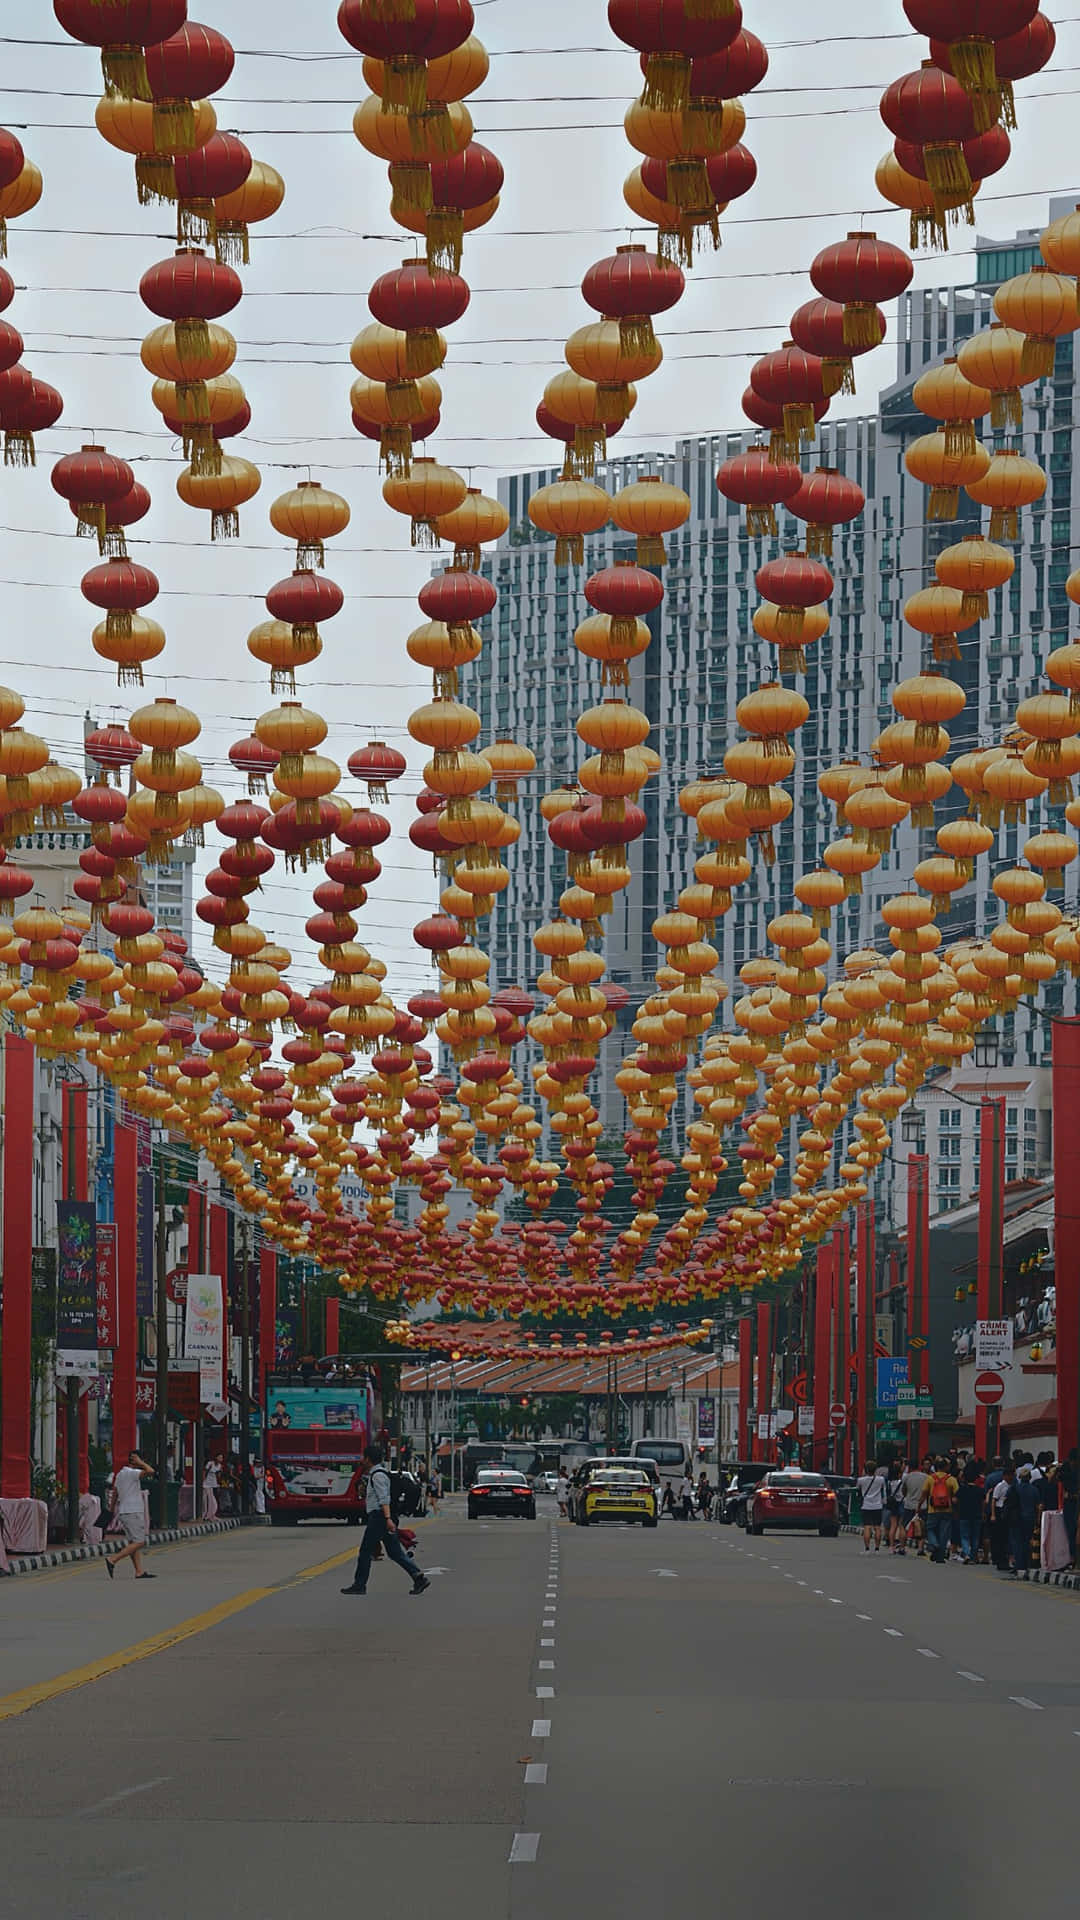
column 672, row 1457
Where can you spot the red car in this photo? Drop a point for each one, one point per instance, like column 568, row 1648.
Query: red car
column 792, row 1498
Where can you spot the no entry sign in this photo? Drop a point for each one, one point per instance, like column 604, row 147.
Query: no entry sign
column 838, row 1414
column 989, row 1389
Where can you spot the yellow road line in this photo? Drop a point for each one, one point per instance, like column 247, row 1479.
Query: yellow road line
column 14, row 1704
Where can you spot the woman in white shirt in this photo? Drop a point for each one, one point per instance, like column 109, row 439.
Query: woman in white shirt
column 873, row 1492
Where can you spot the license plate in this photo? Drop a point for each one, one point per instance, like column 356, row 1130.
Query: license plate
column 802, row 1499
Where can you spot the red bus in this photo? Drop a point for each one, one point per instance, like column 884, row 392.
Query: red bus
column 316, row 1436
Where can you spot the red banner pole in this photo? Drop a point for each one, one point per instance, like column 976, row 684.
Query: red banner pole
column 75, row 1174
column 822, row 1387
column 1066, row 1118
column 333, row 1325
column 125, row 1189
column 764, row 1383
column 746, row 1386
column 267, row 1320
column 991, row 1256
column 918, row 1287
column 219, row 1264
column 18, row 1240
column 863, row 1428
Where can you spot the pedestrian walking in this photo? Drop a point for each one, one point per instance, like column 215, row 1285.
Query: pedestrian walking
column 1023, row 1521
column 704, row 1495
column 912, row 1488
column 209, row 1490
column 434, row 1488
column 667, row 1504
column 562, row 1494
column 894, row 1507
column 940, row 1498
column 969, row 1512
column 686, row 1497
column 873, row 1489
column 259, row 1495
column 1003, row 1505
column 380, row 1530
column 129, row 1511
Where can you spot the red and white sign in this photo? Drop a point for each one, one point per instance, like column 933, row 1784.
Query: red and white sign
column 108, row 1305
column 176, row 1285
column 838, row 1414
column 989, row 1389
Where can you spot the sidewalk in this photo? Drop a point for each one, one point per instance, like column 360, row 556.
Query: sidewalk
column 64, row 1556
column 1036, row 1576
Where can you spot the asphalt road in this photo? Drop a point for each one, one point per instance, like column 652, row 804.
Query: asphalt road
column 569, row 1723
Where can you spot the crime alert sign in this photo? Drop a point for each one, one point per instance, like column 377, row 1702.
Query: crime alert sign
column 994, row 1344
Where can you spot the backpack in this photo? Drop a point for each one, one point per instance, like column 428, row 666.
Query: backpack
column 940, row 1497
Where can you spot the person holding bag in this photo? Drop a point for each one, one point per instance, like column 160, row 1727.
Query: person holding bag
column 873, row 1491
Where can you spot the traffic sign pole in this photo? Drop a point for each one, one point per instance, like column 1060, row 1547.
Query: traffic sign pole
column 918, row 1276
column 865, row 1263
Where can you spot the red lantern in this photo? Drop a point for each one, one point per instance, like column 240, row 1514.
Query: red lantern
column 626, row 593
column 819, row 326
column 931, row 109
column 27, row 406
column 7, row 284
column 378, row 764
column 419, row 303
column 427, row 834
column 436, row 935
column 858, row 272
column 112, row 748
column 598, row 831
column 969, row 29
column 1015, row 58
column 119, row 514
column 304, row 599
column 458, row 185
column 363, row 828
column 11, row 346
column 630, row 286
column 121, row 587
column 122, row 29
column 405, row 38
column 738, row 69
column 12, row 162
column 206, row 174
column 100, row 805
column 794, row 381
column 458, row 599
column 195, row 62
column 190, row 287
column 825, row 499
column 794, row 581
column 759, row 484
column 673, row 33
column 255, row 760
column 89, row 480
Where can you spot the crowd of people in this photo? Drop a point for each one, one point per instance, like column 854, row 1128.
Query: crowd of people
column 1013, row 1513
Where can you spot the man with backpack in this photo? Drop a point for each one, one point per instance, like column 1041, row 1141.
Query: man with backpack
column 380, row 1529
column 939, row 1496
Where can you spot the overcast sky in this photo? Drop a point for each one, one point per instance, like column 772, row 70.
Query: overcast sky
column 553, row 114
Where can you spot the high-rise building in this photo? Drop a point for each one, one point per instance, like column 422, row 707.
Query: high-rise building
column 530, row 682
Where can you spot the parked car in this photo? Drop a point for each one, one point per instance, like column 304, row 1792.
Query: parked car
column 498, row 1490
column 793, row 1499
column 738, row 1478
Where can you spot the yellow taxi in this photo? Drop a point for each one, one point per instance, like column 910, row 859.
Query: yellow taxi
column 619, row 1493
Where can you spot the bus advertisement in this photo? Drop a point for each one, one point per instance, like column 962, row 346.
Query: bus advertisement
column 316, row 1436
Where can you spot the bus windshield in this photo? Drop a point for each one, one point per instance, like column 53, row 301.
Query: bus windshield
column 670, row 1455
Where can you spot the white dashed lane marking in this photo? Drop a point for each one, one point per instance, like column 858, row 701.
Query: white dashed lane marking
column 927, row 1653
column 894, row 1633
column 541, row 1729
column 536, row 1774
column 976, row 1679
column 545, row 1693
column 524, row 1849
column 1021, row 1700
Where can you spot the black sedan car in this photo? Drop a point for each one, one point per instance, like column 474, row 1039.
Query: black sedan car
column 499, row 1490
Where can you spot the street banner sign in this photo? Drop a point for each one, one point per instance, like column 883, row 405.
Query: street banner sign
column 993, row 1344
column 76, row 1298
column 989, row 1389
column 108, row 1302
column 706, row 1419
column 806, row 1423
column 891, row 1375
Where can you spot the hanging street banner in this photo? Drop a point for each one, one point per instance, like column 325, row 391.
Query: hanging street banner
column 76, row 1286
column 706, row 1419
column 108, row 1306
column 204, row 1331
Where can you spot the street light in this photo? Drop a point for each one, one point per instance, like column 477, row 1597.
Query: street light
column 987, row 1050
column 913, row 1128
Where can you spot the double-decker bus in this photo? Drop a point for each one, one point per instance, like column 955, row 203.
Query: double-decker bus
column 316, row 1436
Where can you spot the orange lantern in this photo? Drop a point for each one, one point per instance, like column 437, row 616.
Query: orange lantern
column 929, row 460
column 426, row 494
column 994, row 358
column 568, row 510
column 221, row 494
column 1042, row 306
column 1010, row 482
column 975, row 568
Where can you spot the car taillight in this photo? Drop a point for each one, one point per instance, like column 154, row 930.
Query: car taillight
column 830, row 1495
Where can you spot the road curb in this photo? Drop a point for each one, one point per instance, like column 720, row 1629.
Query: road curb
column 1035, row 1577
column 23, row 1563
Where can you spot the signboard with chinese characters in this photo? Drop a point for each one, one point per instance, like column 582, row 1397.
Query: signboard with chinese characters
column 107, row 1301
column 706, row 1419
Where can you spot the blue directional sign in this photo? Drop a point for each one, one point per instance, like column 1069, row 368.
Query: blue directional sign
column 891, row 1374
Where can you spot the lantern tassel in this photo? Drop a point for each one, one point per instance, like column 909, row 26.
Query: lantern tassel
column 405, row 84
column 636, row 334
column 174, row 126
column 944, row 503
column 1004, row 524
column 196, row 223
column 792, row 660
column 588, row 442
column 118, row 623
column 570, row 550
column 927, row 228
column 282, row 680
column 651, row 551
column 790, row 622
column 862, row 325
column 703, row 125
column 837, row 375
column 422, row 350
column 975, row 605
column 445, row 231
column 819, row 539
column 1007, row 410
column 667, row 82
column 615, row 673
column 430, row 128
column 19, row 449
column 974, row 65
column 959, row 437
column 225, row 524
column 1008, row 105
column 116, row 543
column 395, row 451
column 155, row 178
column 3, row 238
column 467, row 559
column 232, row 245
column 1037, row 358
column 947, row 172
column 410, row 183
column 425, row 533
column 124, row 71
column 688, row 186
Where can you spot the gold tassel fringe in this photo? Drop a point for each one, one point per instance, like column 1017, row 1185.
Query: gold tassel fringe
column 420, row 344
column 761, row 521
column 667, row 82
column 588, row 442
column 130, row 674
column 790, row 622
column 837, row 376
column 1007, row 410
column 174, row 126
column 1037, row 358
column 432, row 127
column 155, row 180
column 651, row 551
column 19, row 449
column 636, row 334
column 1004, row 524
column 974, row 65
column 792, row 660
column 819, row 539
column 862, row 325
column 703, row 124
column 124, row 70
column 424, row 533
column 225, row 524
column 192, row 338
column 927, row 228
column 232, row 246
column 947, row 172
column 976, row 605
column 282, row 680
column 395, row 451
column 570, row 550
column 945, row 647
column 959, row 437
column 404, row 84
column 196, row 223
column 799, row 423
column 688, row 186
column 944, row 503
column 613, row 401
column 118, row 623
column 445, row 232
column 410, row 183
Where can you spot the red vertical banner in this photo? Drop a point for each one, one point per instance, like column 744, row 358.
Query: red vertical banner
column 74, row 1141
column 125, row 1353
column 918, row 1279
column 219, row 1264
column 991, row 1260
column 866, row 1305
column 333, row 1325
column 196, row 1232
column 841, row 1336
column 1066, row 1118
column 267, row 1320
column 743, row 1451
column 18, row 1176
column 84, row 1443
column 763, row 1402
column 823, row 1291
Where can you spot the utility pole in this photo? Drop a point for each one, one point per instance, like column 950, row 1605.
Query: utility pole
column 161, row 1412
column 245, row 1370
column 71, row 1422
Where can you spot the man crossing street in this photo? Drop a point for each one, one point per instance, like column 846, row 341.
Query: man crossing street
column 380, row 1530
